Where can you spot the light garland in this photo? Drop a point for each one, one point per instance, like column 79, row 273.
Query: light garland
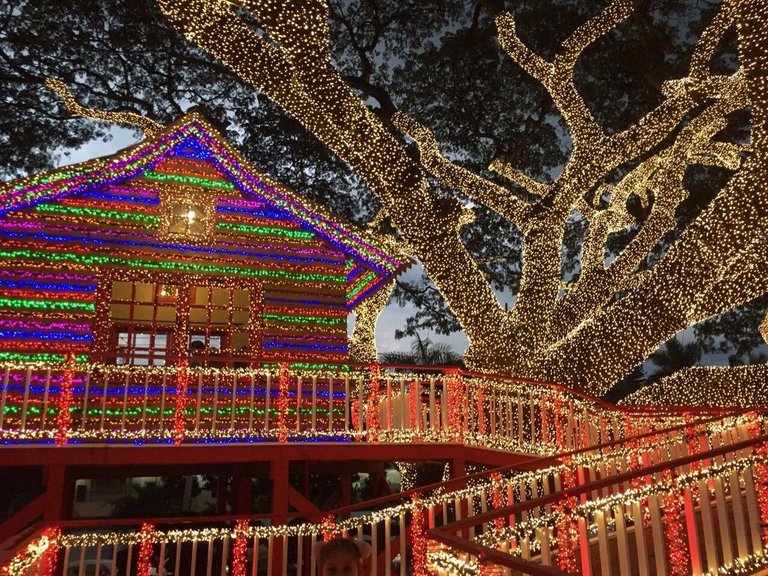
column 240, row 548
column 761, row 488
column 282, row 403
column 418, row 538
column 372, row 423
column 456, row 398
column 677, row 550
column 329, row 528
column 43, row 549
column 64, row 416
column 144, row 567
column 180, row 403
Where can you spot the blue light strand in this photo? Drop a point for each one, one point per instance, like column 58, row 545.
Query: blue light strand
column 296, row 346
column 58, row 286
column 167, row 246
column 128, row 198
column 73, row 336
column 272, row 214
column 310, row 302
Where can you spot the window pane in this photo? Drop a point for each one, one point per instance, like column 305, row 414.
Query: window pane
column 145, row 292
column 201, row 295
column 239, row 341
column 239, row 317
column 119, row 311
column 166, row 314
column 143, row 312
column 198, row 316
column 242, row 298
column 219, row 317
column 220, row 296
column 121, row 291
column 161, row 342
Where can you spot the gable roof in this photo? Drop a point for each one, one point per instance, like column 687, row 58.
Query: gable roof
column 371, row 263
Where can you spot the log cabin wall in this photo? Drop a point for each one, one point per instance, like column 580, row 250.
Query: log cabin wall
column 105, row 270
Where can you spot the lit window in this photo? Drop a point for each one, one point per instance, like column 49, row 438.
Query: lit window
column 187, row 218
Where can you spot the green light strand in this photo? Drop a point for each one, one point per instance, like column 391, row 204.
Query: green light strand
column 304, row 319
column 147, row 219
column 98, row 260
column 46, row 304
column 192, row 180
column 265, row 230
column 362, row 284
column 38, row 357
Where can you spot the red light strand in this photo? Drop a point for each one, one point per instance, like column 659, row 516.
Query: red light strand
column 240, row 548
column 64, row 416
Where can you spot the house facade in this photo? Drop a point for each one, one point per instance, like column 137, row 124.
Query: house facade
column 177, row 250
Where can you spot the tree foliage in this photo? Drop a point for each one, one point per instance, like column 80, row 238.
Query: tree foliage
column 582, row 191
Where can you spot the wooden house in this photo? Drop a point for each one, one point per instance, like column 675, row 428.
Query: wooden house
column 177, row 250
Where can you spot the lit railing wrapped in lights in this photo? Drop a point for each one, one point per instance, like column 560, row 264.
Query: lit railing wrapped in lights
column 111, row 403
column 627, row 524
column 388, row 528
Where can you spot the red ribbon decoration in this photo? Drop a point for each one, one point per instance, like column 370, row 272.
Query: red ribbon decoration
column 418, row 537
column 64, row 416
column 240, row 548
column 145, row 550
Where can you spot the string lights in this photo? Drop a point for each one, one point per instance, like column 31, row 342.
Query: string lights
column 146, row 536
column 571, row 337
column 64, row 416
column 94, row 218
column 418, row 538
column 282, row 403
column 240, row 548
column 677, row 551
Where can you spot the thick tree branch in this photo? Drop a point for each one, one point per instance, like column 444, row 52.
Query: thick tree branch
column 523, row 180
column 149, row 126
column 476, row 188
column 591, row 31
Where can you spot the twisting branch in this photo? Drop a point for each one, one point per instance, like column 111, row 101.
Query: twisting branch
column 709, row 39
column 149, row 126
column 527, row 59
column 533, row 186
column 475, row 187
column 591, row 31
column 661, row 174
column 557, row 76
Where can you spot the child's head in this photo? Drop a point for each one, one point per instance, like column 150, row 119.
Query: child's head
column 340, row 557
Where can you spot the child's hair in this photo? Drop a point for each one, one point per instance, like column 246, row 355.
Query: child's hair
column 339, row 545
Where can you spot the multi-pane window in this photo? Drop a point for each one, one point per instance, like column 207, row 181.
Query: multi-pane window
column 154, row 324
column 142, row 348
column 143, row 315
column 219, row 325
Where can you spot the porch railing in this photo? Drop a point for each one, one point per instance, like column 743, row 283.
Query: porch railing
column 701, row 512
column 516, row 514
column 97, row 403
